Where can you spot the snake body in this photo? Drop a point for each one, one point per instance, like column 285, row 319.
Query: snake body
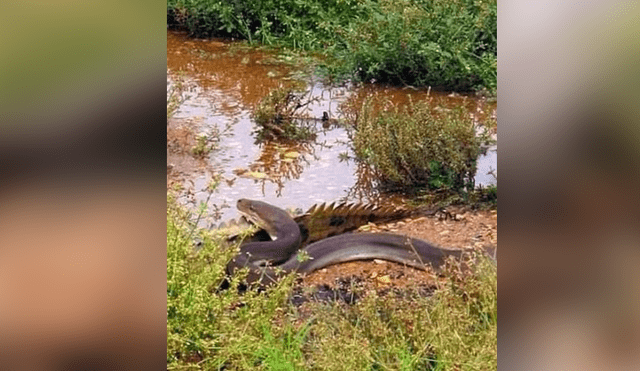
column 284, row 255
column 276, row 222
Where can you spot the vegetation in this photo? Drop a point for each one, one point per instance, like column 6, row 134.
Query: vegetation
column 174, row 95
column 480, row 198
column 277, row 116
column 209, row 329
column 441, row 43
column 203, row 145
column 416, row 147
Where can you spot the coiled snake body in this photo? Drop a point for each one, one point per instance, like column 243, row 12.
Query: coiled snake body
column 283, row 255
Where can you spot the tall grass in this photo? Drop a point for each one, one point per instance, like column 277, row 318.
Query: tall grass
column 211, row 329
column 447, row 44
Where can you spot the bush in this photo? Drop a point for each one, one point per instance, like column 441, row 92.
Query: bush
column 415, row 147
column 444, row 44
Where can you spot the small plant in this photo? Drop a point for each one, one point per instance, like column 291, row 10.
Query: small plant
column 417, row 148
column 174, row 96
column 278, row 117
column 203, row 146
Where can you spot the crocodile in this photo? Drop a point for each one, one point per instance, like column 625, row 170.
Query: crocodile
column 268, row 260
column 323, row 221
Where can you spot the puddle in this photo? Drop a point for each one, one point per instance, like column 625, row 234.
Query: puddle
column 221, row 82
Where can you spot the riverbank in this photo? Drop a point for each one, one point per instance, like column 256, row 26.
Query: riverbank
column 446, row 323
column 449, row 45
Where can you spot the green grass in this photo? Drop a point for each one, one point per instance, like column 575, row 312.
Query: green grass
column 445, row 44
column 207, row 329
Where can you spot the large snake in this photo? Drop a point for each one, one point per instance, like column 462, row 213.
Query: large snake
column 283, row 255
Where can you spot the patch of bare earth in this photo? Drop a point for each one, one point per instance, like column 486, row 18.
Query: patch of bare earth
column 469, row 228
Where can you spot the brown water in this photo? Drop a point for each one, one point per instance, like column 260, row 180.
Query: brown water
column 221, row 82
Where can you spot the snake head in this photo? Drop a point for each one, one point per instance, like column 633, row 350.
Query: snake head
column 266, row 216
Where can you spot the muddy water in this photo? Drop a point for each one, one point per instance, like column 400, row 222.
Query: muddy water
column 220, row 82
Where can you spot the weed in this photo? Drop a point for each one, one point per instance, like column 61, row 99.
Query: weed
column 485, row 196
column 278, row 118
column 203, row 145
column 174, row 95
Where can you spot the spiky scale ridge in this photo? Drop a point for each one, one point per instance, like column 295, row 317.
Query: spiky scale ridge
column 322, row 221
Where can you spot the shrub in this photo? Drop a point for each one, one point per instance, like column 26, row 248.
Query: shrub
column 441, row 43
column 416, row 147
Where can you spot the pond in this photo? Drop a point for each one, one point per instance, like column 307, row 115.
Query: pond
column 220, row 82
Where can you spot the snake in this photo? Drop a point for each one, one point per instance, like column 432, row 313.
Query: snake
column 269, row 260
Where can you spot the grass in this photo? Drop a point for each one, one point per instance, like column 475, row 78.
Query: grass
column 445, row 44
column 210, row 329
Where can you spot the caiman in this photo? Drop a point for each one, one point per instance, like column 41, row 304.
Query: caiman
column 267, row 260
